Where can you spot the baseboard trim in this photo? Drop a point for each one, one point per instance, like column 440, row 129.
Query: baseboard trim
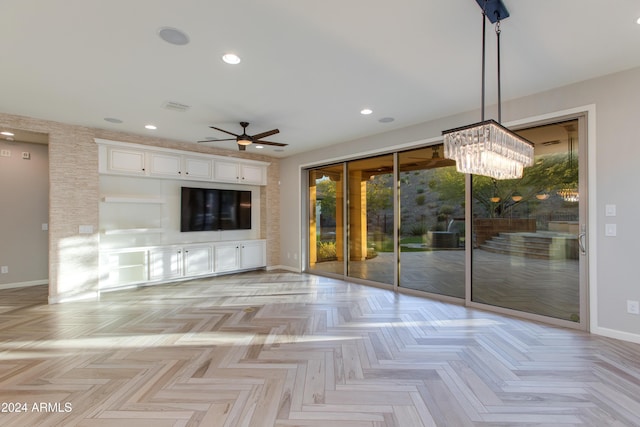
column 24, row 284
column 619, row 335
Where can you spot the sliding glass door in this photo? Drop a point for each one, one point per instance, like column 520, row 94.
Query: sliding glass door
column 432, row 231
column 402, row 220
column 528, row 246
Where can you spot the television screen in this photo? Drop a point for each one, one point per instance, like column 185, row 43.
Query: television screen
column 206, row 209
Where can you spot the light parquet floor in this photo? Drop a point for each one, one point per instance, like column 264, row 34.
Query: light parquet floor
column 285, row 349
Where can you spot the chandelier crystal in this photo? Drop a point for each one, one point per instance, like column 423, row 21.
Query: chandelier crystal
column 488, row 148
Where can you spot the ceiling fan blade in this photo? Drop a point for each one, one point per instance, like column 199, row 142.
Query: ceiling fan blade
column 277, row 144
column 265, row 134
column 225, row 131
column 217, row 140
column 242, row 147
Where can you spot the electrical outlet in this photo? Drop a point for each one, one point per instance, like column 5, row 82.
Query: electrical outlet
column 633, row 307
column 5, row 153
column 4, row 269
column 26, row 155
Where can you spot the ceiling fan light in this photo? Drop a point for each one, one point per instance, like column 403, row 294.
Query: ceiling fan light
column 243, row 140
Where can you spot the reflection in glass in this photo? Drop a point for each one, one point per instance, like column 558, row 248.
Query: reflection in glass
column 371, row 214
column 525, row 248
column 326, row 234
column 432, row 231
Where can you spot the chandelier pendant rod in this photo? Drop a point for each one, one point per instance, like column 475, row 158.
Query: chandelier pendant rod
column 484, row 31
column 499, row 85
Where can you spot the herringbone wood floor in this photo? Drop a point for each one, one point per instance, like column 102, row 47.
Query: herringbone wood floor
column 284, row 349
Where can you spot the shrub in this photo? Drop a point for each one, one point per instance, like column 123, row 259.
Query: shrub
column 326, row 251
column 418, row 229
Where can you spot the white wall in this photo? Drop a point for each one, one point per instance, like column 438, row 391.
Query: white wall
column 24, row 208
column 614, row 276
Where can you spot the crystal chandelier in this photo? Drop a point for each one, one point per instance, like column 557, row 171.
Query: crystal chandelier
column 488, row 148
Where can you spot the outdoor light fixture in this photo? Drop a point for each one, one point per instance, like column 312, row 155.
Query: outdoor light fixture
column 488, row 148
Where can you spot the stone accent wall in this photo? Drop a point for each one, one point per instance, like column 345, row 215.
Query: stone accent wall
column 74, row 200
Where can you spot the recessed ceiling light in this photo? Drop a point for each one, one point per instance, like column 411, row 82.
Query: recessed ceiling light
column 6, row 133
column 150, row 127
column 386, row 120
column 638, row 21
column 112, row 120
column 366, row 111
column 231, row 58
column 259, row 147
column 173, row 36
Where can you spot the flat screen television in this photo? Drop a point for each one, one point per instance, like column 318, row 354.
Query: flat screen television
column 208, row 209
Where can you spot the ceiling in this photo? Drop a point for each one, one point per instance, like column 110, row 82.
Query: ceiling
column 307, row 68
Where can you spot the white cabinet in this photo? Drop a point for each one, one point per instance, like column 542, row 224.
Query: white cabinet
column 226, row 257
column 156, row 162
column 250, row 174
column 244, row 255
column 165, row 165
column 198, row 260
column 239, row 173
column 125, row 161
column 252, row 254
column 165, row 263
column 177, row 166
column 197, row 168
column 158, row 264
column 226, row 171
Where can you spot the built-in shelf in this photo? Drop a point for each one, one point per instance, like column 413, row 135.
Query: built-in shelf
column 132, row 199
column 133, row 231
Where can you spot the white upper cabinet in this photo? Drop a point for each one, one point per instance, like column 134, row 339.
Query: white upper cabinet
column 139, row 160
column 250, row 174
column 165, row 165
column 125, row 161
column 197, row 168
column 240, row 173
column 226, row 171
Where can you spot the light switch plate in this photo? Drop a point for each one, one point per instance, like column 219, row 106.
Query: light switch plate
column 610, row 230
column 610, row 210
column 85, row 229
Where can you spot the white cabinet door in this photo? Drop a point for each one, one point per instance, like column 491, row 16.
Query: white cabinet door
column 250, row 174
column 198, row 260
column 125, row 161
column 252, row 254
column 166, row 165
column 198, row 168
column 226, row 257
column 165, row 263
column 226, row 171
